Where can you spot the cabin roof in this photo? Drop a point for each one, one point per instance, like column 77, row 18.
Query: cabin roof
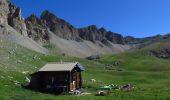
column 61, row 67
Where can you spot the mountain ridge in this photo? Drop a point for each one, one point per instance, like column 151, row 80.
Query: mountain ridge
column 69, row 40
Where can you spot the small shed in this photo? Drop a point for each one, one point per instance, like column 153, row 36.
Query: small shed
column 57, row 78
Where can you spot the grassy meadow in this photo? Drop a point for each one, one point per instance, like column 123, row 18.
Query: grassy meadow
column 149, row 75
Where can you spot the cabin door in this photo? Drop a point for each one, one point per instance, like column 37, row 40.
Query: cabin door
column 74, row 80
column 78, row 79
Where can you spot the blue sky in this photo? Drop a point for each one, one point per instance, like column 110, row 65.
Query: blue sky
column 139, row 18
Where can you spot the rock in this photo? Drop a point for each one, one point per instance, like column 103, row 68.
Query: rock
column 4, row 10
column 75, row 92
column 15, row 20
column 92, row 33
column 10, row 77
column 17, row 83
column 2, row 77
column 35, row 56
column 59, row 26
column 127, row 87
column 85, row 93
column 131, row 40
column 27, row 79
column 94, row 57
column 37, row 29
column 115, row 37
column 117, row 63
column 25, row 72
column 3, row 29
column 19, row 62
column 161, row 53
column 102, row 93
column 3, row 18
column 93, row 80
column 106, row 42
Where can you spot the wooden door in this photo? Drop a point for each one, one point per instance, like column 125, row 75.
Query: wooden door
column 74, row 80
column 78, row 79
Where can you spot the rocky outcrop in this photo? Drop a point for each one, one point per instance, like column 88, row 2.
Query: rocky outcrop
column 11, row 15
column 36, row 29
column 162, row 53
column 60, row 27
column 92, row 33
column 131, row 40
column 4, row 10
column 115, row 38
column 139, row 41
column 15, row 20
column 93, row 57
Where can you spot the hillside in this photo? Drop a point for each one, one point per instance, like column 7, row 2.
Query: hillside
column 149, row 74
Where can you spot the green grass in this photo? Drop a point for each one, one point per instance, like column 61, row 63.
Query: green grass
column 149, row 75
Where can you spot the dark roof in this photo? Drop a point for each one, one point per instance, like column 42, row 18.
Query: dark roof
column 81, row 67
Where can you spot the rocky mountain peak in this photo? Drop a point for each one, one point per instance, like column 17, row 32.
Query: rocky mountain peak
column 115, row 37
column 37, row 29
column 46, row 15
column 92, row 27
column 33, row 19
column 59, row 26
column 92, row 33
column 103, row 30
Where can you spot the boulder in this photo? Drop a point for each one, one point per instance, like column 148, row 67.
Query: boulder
column 93, row 57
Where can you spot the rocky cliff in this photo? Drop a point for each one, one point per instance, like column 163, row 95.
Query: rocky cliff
column 92, row 33
column 11, row 15
column 59, row 26
column 4, row 10
column 37, row 29
column 15, row 19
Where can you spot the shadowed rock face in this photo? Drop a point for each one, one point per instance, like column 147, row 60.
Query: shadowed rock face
column 36, row 29
column 65, row 30
column 60, row 27
column 92, row 33
column 162, row 53
column 115, row 38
